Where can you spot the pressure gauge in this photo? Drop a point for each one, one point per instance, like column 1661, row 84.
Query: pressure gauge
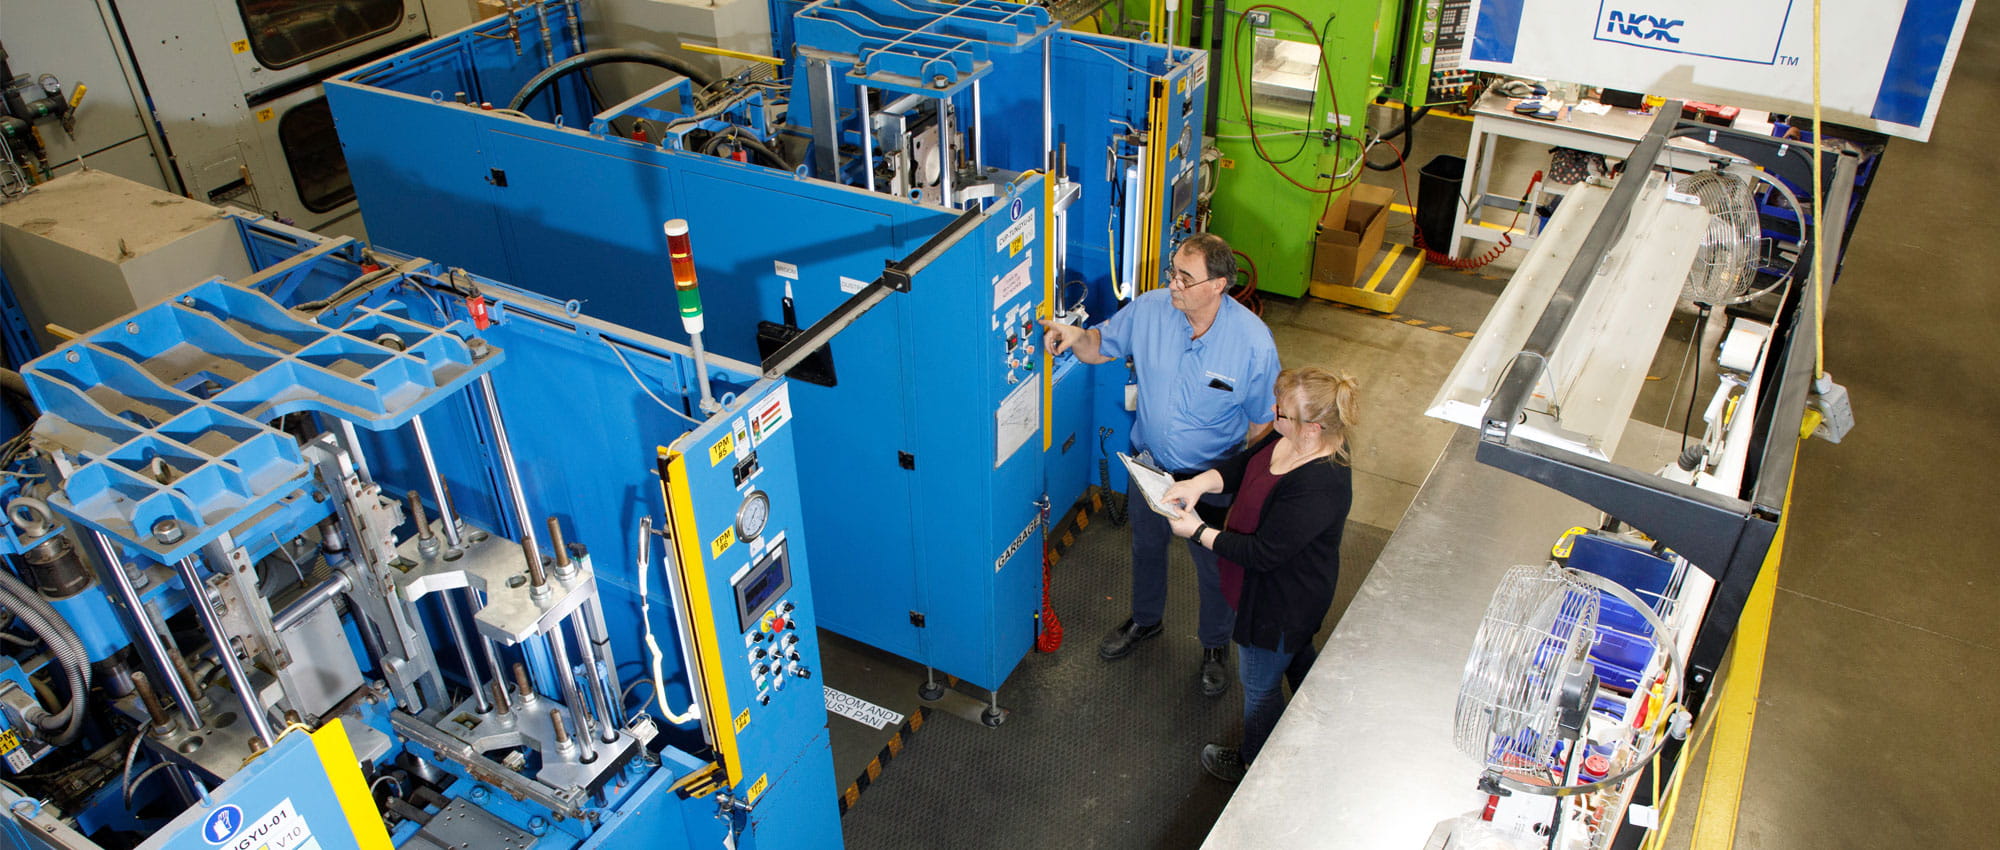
column 752, row 515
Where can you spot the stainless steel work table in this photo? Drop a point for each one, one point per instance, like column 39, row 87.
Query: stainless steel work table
column 1363, row 757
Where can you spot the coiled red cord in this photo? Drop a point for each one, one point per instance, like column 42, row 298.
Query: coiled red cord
column 1437, row 257
column 1051, row 636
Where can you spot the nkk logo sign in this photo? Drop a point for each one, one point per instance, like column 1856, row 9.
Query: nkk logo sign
column 1640, row 27
column 1736, row 30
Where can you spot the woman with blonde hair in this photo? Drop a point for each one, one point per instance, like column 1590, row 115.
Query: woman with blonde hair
column 1279, row 547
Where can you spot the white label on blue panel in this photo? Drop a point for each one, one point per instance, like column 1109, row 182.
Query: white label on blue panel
column 767, row 416
column 281, row 828
column 860, row 710
column 1019, row 417
column 1018, row 235
column 850, row 285
column 785, row 270
column 1010, row 284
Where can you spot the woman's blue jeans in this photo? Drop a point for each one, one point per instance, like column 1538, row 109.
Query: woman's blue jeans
column 1263, row 702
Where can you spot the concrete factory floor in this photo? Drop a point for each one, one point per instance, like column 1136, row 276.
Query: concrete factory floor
column 1867, row 732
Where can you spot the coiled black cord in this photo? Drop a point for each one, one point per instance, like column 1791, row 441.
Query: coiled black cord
column 1114, row 503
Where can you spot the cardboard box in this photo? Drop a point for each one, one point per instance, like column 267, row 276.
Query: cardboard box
column 1350, row 233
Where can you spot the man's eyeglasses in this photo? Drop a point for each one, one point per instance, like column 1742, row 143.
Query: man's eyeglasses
column 1181, row 280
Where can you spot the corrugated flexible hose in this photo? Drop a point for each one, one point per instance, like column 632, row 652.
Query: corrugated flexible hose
column 29, row 608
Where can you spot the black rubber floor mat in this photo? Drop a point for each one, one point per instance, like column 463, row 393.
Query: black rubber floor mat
column 1093, row 754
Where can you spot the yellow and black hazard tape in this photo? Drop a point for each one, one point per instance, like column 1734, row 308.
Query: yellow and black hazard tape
column 1063, row 535
column 897, row 743
column 1405, row 320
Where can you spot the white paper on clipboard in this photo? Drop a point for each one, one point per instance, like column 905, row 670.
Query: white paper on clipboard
column 1152, row 483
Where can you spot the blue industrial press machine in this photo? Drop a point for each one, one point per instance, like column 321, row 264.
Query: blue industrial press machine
column 358, row 551
column 927, row 178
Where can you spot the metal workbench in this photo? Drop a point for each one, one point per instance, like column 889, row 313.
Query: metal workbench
column 1363, row 757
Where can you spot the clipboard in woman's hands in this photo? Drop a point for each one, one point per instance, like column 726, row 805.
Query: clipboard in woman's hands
column 1153, row 485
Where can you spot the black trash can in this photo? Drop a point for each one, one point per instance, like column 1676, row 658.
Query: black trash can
column 1437, row 199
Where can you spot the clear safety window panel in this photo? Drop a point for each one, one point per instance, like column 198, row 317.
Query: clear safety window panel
column 1284, row 76
column 286, row 32
column 313, row 154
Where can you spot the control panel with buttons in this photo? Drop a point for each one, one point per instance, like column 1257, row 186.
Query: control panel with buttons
column 771, row 623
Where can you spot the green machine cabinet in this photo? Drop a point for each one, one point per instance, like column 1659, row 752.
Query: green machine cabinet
column 1294, row 84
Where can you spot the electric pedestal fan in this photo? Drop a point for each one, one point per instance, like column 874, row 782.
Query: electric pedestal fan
column 1531, row 707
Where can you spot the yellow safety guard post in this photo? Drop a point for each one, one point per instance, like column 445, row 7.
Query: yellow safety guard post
column 707, row 649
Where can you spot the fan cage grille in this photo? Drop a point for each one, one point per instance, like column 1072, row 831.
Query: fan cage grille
column 1732, row 249
column 1541, row 618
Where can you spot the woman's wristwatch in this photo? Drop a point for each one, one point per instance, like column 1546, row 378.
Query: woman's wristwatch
column 1197, row 533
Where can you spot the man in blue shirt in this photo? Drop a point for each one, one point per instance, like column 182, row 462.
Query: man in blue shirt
column 1205, row 367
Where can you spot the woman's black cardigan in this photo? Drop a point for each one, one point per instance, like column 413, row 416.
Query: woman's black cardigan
column 1292, row 563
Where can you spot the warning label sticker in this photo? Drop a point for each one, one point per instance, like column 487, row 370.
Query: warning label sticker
column 769, row 415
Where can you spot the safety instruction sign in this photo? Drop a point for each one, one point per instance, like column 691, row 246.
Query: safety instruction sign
column 860, row 710
column 767, row 416
column 1019, row 417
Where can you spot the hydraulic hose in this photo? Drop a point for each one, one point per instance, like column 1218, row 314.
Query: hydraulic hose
column 606, row 57
column 748, row 140
column 29, row 608
column 1409, row 120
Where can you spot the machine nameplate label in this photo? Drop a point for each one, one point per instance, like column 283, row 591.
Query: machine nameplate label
column 722, row 449
column 860, row 710
column 722, row 542
column 241, row 45
column 742, row 719
column 757, row 788
column 281, row 828
column 1017, row 235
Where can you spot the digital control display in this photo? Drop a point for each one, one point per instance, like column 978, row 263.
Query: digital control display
column 767, row 580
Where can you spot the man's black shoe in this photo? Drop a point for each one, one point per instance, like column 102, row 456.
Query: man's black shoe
column 1224, row 763
column 1119, row 643
column 1214, row 671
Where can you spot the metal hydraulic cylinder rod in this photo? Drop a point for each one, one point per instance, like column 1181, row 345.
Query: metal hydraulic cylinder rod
column 947, row 127
column 225, row 652
column 448, row 517
column 292, row 614
column 599, row 649
column 475, row 600
column 607, row 727
column 978, row 133
column 456, row 626
column 868, row 136
column 522, row 518
column 566, row 678
column 149, row 638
